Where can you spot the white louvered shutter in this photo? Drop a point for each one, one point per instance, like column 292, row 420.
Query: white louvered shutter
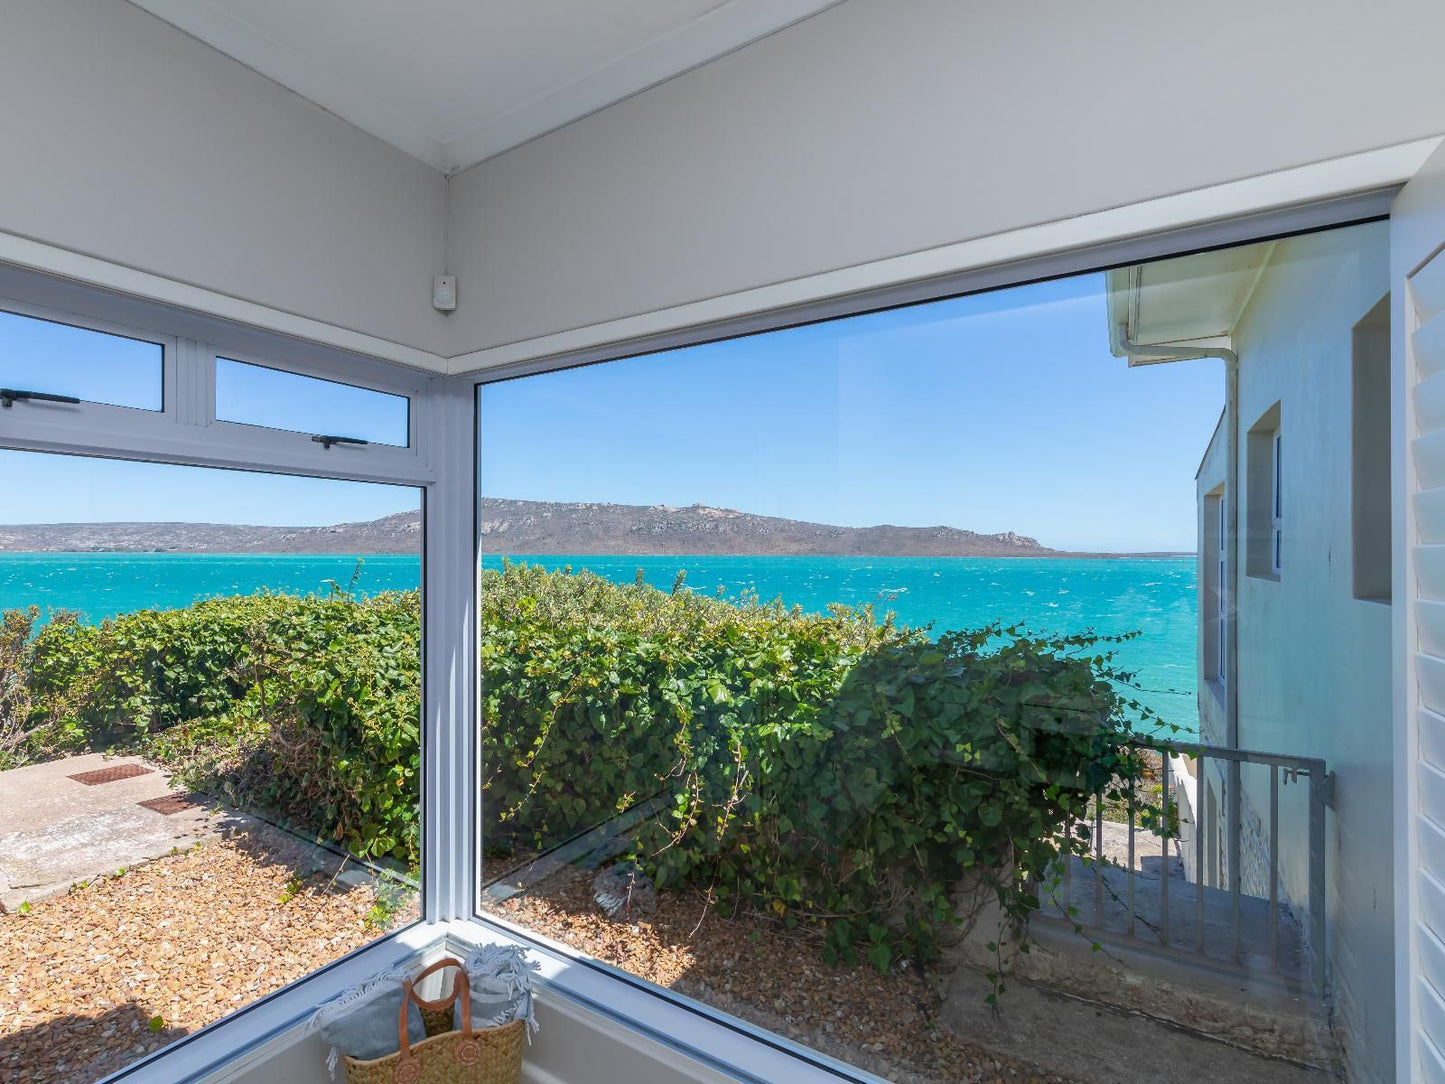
column 1418, row 335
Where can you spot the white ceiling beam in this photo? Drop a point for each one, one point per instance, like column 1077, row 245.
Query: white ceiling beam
column 722, row 30
column 491, row 127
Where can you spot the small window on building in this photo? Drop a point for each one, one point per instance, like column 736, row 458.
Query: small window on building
column 1264, row 497
column 54, row 359
column 1370, row 454
column 1214, row 610
column 257, row 395
column 1277, row 524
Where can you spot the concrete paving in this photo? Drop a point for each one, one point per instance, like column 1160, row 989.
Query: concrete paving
column 1103, row 1045
column 55, row 831
column 1100, row 897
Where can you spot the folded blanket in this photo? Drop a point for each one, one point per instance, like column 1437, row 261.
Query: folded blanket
column 501, row 984
column 362, row 1022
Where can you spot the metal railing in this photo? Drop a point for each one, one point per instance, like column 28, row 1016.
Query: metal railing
column 1290, row 933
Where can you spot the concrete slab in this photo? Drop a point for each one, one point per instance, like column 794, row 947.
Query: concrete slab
column 55, row 831
column 41, row 794
column 1103, row 1045
column 1100, row 897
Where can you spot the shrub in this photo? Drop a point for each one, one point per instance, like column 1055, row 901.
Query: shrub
column 595, row 695
column 16, row 729
column 930, row 763
column 309, row 705
column 834, row 770
column 143, row 672
column 333, row 708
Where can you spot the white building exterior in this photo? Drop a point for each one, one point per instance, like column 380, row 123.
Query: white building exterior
column 1294, row 608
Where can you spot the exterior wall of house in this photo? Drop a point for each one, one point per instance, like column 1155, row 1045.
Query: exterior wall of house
column 1314, row 667
column 1210, row 484
column 1207, row 796
column 127, row 140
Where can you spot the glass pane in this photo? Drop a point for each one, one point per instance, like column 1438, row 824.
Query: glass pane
column 97, row 367
column 210, row 689
column 276, row 399
column 824, row 669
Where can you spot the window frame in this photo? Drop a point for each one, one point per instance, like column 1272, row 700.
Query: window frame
column 1222, row 593
column 185, row 430
column 444, row 465
column 104, row 417
column 1214, row 591
column 631, row 994
column 185, row 433
column 242, row 432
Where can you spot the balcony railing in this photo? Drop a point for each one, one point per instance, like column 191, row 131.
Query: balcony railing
column 1261, row 928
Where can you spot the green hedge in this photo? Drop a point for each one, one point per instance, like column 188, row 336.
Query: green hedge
column 836, row 771
column 308, row 705
column 597, row 696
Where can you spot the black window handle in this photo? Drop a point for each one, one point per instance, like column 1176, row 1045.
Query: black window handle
column 9, row 396
column 326, row 441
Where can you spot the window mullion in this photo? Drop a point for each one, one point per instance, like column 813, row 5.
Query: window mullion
column 449, row 806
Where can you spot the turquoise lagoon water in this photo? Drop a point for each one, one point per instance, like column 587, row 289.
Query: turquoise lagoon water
column 1155, row 596
column 101, row 585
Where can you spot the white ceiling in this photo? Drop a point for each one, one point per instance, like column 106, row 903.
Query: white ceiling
column 456, row 81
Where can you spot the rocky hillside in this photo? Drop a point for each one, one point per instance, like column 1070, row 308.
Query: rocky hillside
column 539, row 527
column 400, row 533
column 545, row 527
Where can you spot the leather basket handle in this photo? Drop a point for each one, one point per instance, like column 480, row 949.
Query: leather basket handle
column 445, row 1001
column 461, row 987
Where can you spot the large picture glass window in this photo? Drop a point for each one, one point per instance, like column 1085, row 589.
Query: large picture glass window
column 210, row 689
column 860, row 678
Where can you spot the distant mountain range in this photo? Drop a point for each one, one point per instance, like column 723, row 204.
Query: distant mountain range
column 540, row 527
column 547, row 527
column 400, row 533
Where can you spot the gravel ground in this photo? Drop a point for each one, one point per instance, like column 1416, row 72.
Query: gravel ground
column 754, row 969
column 93, row 979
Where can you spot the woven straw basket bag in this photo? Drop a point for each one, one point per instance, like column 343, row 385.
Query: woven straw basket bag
column 488, row 1056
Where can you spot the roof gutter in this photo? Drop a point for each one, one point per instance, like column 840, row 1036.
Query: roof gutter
column 1231, row 495
column 1231, row 421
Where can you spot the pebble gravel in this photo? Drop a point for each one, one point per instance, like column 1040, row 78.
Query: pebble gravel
column 753, row 968
column 94, row 978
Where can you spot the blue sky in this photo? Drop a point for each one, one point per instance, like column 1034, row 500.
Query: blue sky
column 1003, row 411
column 999, row 412
column 78, row 489
column 127, row 372
column 76, row 361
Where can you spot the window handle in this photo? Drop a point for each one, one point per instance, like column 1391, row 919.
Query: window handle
column 9, row 396
column 325, row 440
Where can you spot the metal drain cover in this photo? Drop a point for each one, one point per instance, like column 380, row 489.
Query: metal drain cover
column 111, row 775
column 169, row 804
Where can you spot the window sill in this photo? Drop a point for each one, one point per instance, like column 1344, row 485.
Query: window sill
column 1265, row 577
column 593, row 1014
column 697, row 1041
column 1220, row 691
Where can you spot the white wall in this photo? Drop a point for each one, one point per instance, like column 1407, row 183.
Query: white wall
column 122, row 138
column 877, row 128
column 1314, row 662
column 881, row 127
